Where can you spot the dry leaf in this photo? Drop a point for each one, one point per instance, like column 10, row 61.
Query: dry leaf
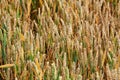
column 103, row 58
column 22, row 38
column 7, row 65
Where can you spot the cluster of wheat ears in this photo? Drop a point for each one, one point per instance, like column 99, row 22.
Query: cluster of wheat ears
column 59, row 39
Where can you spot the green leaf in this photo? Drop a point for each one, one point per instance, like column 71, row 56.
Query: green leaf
column 30, row 57
column 31, row 75
column 1, row 35
column 75, row 56
column 4, row 27
column 18, row 13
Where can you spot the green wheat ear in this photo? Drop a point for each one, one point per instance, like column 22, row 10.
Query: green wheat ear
column 4, row 44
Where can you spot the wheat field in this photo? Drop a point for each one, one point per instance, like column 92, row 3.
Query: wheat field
column 59, row 39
